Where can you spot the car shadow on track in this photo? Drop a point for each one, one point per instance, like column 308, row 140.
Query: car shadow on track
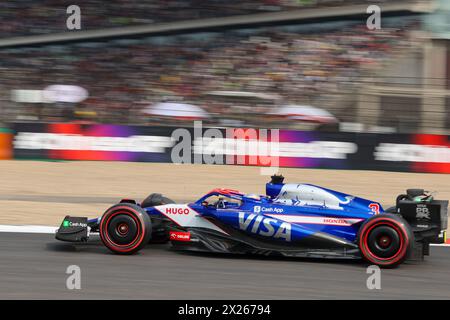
column 94, row 246
column 97, row 247
column 89, row 247
column 349, row 262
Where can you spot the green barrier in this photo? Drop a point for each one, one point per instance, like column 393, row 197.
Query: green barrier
column 5, row 130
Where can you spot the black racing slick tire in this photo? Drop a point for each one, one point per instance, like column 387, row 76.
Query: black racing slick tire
column 160, row 231
column 125, row 228
column 385, row 240
column 155, row 199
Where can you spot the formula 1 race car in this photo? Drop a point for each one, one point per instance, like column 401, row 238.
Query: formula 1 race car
column 295, row 220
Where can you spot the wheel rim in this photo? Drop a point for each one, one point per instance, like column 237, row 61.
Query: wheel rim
column 122, row 229
column 384, row 241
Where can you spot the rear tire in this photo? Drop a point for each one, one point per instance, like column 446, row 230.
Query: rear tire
column 385, row 240
column 125, row 228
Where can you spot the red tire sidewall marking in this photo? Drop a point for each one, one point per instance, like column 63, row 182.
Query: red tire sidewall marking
column 400, row 231
column 136, row 217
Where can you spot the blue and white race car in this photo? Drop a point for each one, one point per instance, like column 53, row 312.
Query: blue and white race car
column 295, row 220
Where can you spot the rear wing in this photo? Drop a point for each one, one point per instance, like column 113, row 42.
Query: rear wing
column 428, row 219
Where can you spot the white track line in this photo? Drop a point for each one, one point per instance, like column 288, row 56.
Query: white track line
column 52, row 230
column 28, row 229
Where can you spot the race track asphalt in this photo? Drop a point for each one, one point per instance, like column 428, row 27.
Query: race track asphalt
column 33, row 266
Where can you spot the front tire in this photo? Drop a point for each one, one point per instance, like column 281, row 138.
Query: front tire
column 385, row 240
column 125, row 228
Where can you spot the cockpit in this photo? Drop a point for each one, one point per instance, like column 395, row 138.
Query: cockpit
column 221, row 202
column 229, row 199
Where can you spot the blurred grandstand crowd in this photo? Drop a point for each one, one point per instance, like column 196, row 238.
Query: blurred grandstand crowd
column 336, row 71
column 28, row 17
column 123, row 76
